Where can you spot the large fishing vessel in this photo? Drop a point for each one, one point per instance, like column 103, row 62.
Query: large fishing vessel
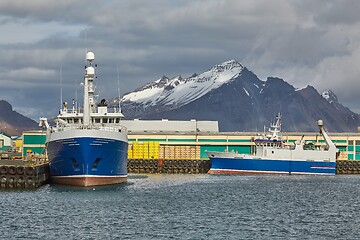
column 273, row 155
column 88, row 146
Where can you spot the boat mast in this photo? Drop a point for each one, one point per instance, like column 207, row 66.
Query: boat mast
column 275, row 128
column 61, row 90
column 88, row 88
column 118, row 78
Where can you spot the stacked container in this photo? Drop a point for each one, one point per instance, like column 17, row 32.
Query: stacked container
column 154, row 148
column 146, row 150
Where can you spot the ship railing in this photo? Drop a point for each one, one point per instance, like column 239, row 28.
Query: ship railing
column 105, row 128
column 112, row 129
column 74, row 110
column 114, row 110
column 81, row 110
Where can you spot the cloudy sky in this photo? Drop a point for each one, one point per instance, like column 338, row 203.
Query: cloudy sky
column 305, row 42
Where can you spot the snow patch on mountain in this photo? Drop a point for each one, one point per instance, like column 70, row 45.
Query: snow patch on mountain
column 247, row 93
column 178, row 91
column 329, row 96
column 302, row 88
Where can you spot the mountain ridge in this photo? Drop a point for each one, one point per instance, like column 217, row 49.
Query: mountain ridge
column 13, row 123
column 240, row 101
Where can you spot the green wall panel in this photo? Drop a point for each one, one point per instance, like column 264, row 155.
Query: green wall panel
column 34, row 139
column 212, row 140
column 147, row 140
column 203, row 150
column 239, row 140
column 339, row 141
column 342, row 149
column 181, row 140
column 240, row 149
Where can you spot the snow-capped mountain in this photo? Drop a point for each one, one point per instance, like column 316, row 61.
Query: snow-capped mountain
column 239, row 100
column 177, row 92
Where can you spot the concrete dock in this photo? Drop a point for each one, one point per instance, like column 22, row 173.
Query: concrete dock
column 168, row 166
column 23, row 173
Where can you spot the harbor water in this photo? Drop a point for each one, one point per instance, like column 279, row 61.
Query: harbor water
column 179, row 206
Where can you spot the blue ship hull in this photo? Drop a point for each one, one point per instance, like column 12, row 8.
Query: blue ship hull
column 270, row 166
column 87, row 161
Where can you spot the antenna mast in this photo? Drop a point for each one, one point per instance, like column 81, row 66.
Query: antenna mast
column 76, row 97
column 86, row 44
column 88, row 88
column 61, row 90
column 118, row 78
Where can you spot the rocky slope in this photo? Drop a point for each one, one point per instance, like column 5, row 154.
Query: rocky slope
column 13, row 123
column 239, row 100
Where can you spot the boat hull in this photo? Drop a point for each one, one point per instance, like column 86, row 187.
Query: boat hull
column 87, row 157
column 221, row 165
column 88, row 180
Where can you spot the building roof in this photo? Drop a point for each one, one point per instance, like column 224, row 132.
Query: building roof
column 165, row 125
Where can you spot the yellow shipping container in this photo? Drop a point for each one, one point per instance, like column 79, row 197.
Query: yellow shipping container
column 138, row 156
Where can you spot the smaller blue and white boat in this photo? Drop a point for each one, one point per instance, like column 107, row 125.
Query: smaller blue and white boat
column 274, row 156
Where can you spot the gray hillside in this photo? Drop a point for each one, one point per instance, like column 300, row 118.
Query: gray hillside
column 248, row 104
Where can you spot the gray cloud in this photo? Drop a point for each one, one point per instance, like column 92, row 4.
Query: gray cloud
column 304, row 42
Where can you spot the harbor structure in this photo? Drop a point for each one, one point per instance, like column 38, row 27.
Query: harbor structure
column 348, row 144
column 23, row 174
column 171, row 151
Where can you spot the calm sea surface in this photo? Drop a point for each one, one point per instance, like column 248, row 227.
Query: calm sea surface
column 188, row 207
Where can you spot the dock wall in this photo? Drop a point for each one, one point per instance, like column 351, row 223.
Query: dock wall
column 168, row 166
column 19, row 176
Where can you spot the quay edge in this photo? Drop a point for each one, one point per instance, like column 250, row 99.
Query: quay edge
column 22, row 174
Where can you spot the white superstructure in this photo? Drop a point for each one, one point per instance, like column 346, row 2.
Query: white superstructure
column 91, row 116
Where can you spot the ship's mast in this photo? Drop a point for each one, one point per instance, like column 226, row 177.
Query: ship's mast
column 275, row 128
column 89, row 88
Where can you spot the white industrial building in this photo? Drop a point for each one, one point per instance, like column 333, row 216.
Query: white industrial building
column 166, row 125
column 5, row 141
